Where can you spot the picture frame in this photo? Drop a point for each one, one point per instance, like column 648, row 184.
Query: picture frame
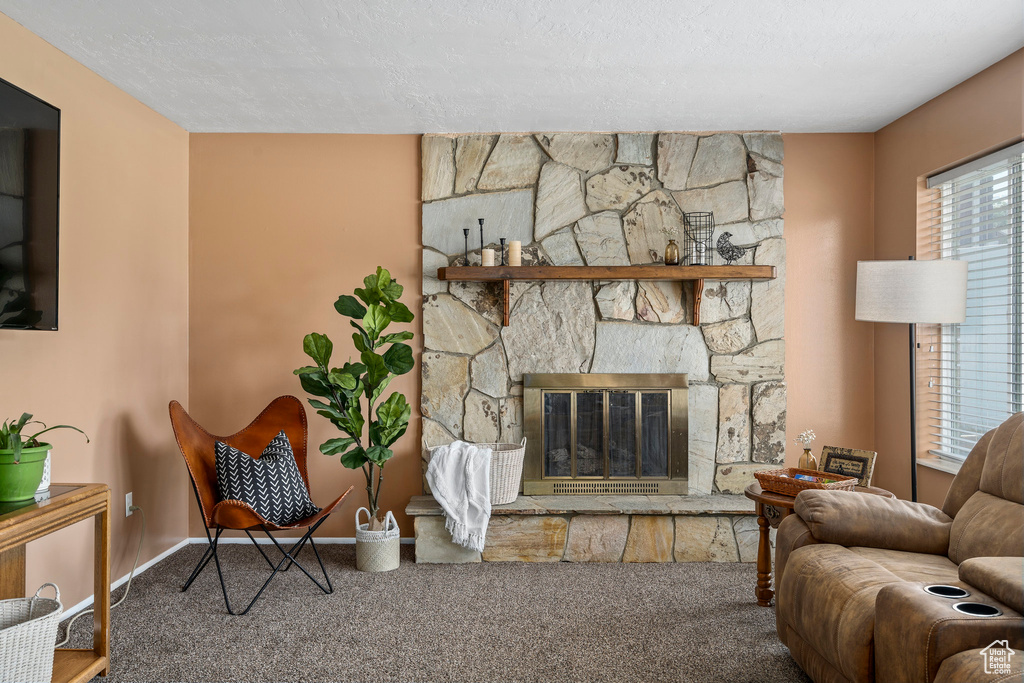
column 850, row 462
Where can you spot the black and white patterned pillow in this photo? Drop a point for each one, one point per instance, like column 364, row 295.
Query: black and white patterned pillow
column 271, row 484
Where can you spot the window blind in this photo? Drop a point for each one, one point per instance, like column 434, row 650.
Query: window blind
column 970, row 374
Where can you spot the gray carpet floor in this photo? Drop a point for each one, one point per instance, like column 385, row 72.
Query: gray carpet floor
column 499, row 622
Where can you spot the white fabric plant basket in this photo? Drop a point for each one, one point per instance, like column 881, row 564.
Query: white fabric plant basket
column 28, row 634
column 377, row 551
column 506, row 470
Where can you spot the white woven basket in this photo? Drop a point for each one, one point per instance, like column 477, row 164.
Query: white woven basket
column 506, row 470
column 28, row 633
column 377, row 551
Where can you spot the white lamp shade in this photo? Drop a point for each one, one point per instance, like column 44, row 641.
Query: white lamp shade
column 912, row 291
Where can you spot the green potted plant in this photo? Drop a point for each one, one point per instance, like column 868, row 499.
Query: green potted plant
column 23, row 458
column 369, row 433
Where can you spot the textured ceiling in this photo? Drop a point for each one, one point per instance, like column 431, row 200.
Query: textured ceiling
column 414, row 66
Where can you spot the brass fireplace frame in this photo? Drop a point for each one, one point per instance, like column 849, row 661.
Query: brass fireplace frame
column 536, row 385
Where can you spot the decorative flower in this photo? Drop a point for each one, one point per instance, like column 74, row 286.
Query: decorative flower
column 805, row 438
column 670, row 230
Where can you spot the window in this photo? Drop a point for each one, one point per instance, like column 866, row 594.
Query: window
column 971, row 373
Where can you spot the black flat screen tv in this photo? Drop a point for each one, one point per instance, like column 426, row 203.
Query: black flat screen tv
column 29, row 193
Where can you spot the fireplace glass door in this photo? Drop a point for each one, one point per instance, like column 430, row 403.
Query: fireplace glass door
column 605, row 433
column 578, row 444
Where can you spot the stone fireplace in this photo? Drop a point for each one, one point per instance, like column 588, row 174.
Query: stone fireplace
column 606, row 199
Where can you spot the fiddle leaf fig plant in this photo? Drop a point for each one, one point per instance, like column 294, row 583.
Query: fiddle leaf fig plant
column 12, row 440
column 347, row 389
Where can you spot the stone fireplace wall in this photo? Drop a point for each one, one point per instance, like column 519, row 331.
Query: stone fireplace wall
column 606, row 199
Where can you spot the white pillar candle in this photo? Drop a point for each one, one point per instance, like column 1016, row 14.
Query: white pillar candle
column 515, row 253
column 487, row 257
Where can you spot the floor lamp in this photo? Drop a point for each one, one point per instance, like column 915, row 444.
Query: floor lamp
column 912, row 292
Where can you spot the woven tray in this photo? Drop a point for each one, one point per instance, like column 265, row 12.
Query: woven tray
column 784, row 481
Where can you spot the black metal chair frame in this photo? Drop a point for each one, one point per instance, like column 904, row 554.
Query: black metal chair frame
column 288, row 556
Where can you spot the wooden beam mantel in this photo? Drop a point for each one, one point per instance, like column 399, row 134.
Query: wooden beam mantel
column 696, row 274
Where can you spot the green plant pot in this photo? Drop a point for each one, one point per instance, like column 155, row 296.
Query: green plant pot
column 19, row 481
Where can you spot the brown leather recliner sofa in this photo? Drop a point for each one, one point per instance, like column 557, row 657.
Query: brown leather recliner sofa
column 851, row 570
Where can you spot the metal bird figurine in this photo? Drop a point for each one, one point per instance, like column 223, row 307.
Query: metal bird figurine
column 729, row 251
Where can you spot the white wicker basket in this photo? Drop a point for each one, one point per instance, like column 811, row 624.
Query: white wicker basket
column 377, row 551
column 506, row 470
column 28, row 634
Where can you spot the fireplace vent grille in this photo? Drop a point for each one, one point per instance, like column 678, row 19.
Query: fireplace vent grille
column 578, row 487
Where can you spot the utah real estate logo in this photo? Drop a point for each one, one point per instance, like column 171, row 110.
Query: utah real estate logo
column 997, row 657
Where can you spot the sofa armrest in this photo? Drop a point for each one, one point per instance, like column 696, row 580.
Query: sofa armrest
column 915, row 632
column 854, row 519
column 793, row 534
column 1000, row 577
column 972, row 665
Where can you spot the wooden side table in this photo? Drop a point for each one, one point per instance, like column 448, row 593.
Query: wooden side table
column 772, row 508
column 21, row 523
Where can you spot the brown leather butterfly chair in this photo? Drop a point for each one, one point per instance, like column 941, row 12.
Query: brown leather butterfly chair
column 197, row 446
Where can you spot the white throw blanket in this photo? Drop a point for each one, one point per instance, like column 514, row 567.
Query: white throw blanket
column 460, row 478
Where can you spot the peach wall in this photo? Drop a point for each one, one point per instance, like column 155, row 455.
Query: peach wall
column 829, row 217
column 981, row 114
column 280, row 226
column 121, row 350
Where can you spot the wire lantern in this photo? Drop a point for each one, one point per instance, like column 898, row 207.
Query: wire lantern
column 700, row 229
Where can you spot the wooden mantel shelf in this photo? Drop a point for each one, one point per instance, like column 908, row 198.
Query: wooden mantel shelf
column 653, row 272
column 697, row 274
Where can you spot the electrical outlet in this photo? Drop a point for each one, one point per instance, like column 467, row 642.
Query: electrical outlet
column 128, row 504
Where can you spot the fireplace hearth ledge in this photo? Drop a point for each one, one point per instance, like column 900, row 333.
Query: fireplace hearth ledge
column 606, row 528
column 714, row 504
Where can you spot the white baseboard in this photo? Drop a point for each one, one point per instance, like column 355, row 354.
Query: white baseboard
column 85, row 604
column 326, row 540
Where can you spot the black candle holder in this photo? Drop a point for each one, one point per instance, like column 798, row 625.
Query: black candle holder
column 502, row 259
column 481, row 239
column 465, row 234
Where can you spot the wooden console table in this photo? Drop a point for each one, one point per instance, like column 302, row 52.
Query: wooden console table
column 772, row 508
column 24, row 522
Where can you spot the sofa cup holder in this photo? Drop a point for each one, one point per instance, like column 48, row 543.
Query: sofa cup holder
column 944, row 591
column 977, row 609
